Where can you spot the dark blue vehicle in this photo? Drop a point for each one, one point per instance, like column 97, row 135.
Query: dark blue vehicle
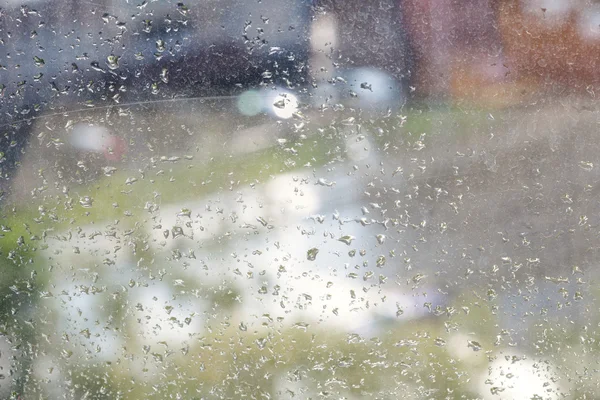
column 142, row 51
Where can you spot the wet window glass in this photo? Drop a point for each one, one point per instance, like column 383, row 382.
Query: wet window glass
column 277, row 199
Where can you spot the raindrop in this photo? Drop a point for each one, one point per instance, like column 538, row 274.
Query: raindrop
column 279, row 103
column 347, row 239
column 319, row 218
column 366, row 86
column 364, row 222
column 262, row 221
column 108, row 171
column 164, row 75
column 474, row 345
column 86, row 201
column 586, row 165
column 183, row 9
column 176, row 231
column 325, row 182
column 184, row 213
column 112, row 62
column 96, row 67
column 66, row 353
column 39, row 62
column 311, row 255
column 147, row 26
column 301, row 325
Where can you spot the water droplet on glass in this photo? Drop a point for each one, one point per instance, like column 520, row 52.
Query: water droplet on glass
column 112, row 62
column 147, row 25
column 183, row 9
column 324, row 182
column 279, row 103
column 474, row 345
column 319, row 218
column 301, row 325
column 262, row 221
column 586, row 165
column 39, row 62
column 66, row 353
column 418, row 278
column 176, row 232
column 347, row 239
column 311, row 255
column 86, row 201
column 164, row 75
column 185, row 213
column 261, row 343
column 108, row 171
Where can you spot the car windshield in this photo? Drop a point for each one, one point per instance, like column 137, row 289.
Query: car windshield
column 275, row 199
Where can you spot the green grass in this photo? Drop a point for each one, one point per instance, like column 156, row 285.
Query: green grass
column 161, row 183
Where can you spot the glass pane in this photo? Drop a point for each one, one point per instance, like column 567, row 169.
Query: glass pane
column 294, row 198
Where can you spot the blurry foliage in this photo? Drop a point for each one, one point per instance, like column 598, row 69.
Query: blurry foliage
column 435, row 357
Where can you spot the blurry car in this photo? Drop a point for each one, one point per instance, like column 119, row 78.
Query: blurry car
column 143, row 53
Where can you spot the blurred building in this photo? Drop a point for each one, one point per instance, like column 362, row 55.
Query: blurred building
column 552, row 45
column 498, row 53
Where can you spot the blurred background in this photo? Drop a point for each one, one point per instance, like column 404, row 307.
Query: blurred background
column 299, row 199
